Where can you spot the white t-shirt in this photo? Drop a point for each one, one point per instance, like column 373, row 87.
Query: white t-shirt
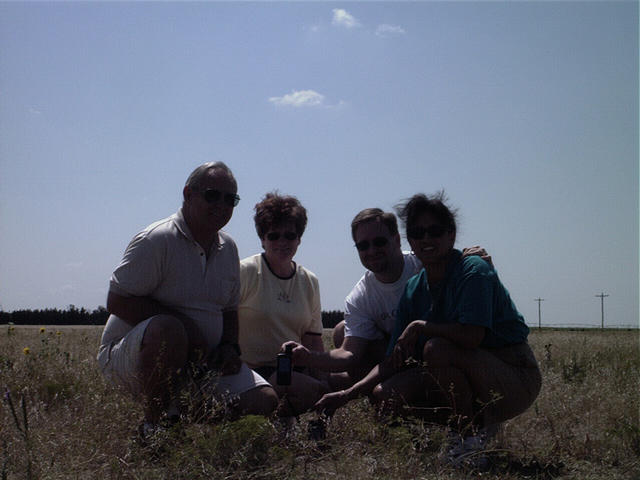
column 370, row 308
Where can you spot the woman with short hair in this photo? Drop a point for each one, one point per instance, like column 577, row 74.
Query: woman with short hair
column 280, row 301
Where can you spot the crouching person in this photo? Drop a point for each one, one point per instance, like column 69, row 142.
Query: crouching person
column 459, row 345
column 173, row 302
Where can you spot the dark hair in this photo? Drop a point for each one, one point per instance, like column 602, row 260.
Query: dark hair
column 276, row 209
column 374, row 215
column 197, row 176
column 435, row 204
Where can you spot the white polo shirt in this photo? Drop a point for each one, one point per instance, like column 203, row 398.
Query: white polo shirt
column 164, row 262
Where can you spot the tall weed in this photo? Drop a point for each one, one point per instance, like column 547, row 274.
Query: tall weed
column 584, row 423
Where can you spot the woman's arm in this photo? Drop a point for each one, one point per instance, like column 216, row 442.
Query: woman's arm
column 313, row 342
column 330, row 402
column 465, row 336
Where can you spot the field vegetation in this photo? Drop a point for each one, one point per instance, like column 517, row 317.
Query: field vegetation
column 59, row 419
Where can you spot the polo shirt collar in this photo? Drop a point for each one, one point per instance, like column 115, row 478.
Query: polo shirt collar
column 181, row 224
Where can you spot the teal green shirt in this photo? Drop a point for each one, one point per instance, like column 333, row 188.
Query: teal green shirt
column 472, row 295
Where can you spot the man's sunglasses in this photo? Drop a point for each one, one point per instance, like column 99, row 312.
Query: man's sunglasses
column 377, row 242
column 275, row 236
column 211, row 195
column 434, row 231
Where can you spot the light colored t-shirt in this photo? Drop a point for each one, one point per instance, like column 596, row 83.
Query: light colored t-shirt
column 371, row 307
column 165, row 263
column 273, row 310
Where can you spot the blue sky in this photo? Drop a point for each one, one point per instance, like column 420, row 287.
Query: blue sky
column 526, row 113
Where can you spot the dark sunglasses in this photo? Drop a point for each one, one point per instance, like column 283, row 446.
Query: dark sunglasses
column 377, row 242
column 211, row 195
column 275, row 236
column 434, row 231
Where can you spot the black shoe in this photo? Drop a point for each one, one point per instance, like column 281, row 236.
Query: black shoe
column 317, row 429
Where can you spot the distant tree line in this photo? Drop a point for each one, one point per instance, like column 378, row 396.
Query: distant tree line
column 331, row 318
column 81, row 316
column 52, row 316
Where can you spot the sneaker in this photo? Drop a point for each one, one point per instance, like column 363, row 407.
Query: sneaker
column 171, row 417
column 469, row 451
column 147, row 431
column 173, row 413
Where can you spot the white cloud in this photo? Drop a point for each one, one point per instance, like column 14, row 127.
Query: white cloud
column 342, row 18
column 299, row 98
column 386, row 30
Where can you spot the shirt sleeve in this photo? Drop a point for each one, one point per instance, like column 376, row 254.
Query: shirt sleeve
column 316, row 311
column 358, row 321
column 140, row 271
column 234, row 274
column 475, row 296
column 247, row 279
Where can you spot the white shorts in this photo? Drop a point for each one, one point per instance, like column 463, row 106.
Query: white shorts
column 120, row 364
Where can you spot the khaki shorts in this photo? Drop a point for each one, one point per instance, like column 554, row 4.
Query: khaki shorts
column 120, row 363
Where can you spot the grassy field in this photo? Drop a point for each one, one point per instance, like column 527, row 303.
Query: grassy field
column 59, row 419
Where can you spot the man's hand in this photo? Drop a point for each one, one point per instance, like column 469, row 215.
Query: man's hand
column 330, row 402
column 478, row 251
column 300, row 355
column 406, row 344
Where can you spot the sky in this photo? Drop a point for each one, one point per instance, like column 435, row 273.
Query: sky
column 525, row 113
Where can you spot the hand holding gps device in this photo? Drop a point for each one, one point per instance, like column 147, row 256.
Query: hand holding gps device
column 283, row 367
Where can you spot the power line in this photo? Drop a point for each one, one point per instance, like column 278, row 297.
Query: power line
column 539, row 300
column 602, row 295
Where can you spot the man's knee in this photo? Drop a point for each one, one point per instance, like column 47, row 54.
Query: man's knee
column 379, row 394
column 338, row 334
column 165, row 335
column 438, row 352
column 261, row 400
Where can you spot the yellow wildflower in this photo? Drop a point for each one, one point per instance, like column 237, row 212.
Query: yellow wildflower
column 26, row 350
column 41, row 329
column 58, row 332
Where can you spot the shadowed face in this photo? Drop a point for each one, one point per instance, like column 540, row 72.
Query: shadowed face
column 429, row 239
column 209, row 216
column 377, row 247
column 280, row 243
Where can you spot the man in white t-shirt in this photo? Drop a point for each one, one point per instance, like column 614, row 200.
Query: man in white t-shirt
column 174, row 299
column 370, row 308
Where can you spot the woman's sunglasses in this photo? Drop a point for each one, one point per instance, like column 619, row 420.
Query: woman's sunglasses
column 275, row 236
column 211, row 195
column 434, row 231
column 377, row 242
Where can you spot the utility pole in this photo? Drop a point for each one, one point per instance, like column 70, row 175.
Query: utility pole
column 539, row 300
column 602, row 295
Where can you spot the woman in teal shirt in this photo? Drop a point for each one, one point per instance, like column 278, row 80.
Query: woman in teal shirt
column 457, row 321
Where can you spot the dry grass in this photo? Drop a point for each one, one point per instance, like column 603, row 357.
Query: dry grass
column 584, row 424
